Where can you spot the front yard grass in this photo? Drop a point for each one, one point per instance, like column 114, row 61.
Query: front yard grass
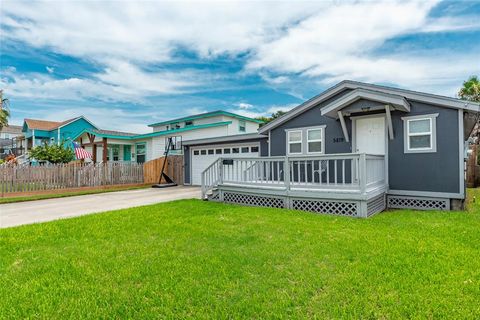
column 194, row 259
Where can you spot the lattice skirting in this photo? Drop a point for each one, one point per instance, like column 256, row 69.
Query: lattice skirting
column 343, row 208
column 419, row 203
column 253, row 200
column 376, row 205
column 215, row 196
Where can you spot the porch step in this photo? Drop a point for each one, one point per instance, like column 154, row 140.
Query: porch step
column 213, row 195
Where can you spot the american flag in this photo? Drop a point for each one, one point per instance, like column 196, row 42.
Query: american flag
column 81, row 153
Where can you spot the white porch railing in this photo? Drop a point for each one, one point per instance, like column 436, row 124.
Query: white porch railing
column 352, row 172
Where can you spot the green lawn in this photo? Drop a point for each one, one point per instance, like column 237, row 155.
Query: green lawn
column 194, row 259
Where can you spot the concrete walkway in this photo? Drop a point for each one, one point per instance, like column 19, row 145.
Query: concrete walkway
column 15, row 214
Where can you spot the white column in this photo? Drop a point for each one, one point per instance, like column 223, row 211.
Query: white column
column 33, row 138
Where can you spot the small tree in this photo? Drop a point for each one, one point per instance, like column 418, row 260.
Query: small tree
column 4, row 113
column 53, row 153
column 274, row 116
column 470, row 90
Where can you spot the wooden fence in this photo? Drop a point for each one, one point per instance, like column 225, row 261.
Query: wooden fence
column 173, row 168
column 66, row 176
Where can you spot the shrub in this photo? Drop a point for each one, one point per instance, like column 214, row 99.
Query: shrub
column 53, row 153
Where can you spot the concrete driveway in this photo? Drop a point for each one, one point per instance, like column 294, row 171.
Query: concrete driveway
column 15, row 214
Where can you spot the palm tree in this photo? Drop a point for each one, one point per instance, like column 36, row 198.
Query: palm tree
column 4, row 113
column 471, row 89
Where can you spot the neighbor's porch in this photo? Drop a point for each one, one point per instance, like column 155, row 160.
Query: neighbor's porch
column 347, row 184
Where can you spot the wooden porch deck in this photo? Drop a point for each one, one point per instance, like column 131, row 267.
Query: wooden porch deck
column 352, row 179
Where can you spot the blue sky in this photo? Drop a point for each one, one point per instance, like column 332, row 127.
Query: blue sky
column 128, row 64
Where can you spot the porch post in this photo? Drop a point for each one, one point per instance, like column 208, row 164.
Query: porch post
column 94, row 153
column 286, row 173
column 286, row 181
column 363, row 173
column 344, row 127
column 104, row 158
column 389, row 121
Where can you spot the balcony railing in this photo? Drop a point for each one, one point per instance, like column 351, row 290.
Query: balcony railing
column 356, row 172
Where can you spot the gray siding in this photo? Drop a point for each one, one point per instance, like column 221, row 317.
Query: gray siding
column 186, row 165
column 436, row 172
column 433, row 172
column 313, row 117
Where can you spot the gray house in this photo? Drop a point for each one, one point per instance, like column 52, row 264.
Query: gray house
column 353, row 150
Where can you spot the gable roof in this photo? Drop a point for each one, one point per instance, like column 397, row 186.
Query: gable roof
column 46, row 125
column 399, row 102
column 113, row 133
column 438, row 100
column 12, row 129
column 35, row 124
column 206, row 115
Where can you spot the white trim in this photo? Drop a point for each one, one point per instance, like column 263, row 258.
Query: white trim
column 360, row 93
column 321, row 140
column 432, row 133
column 432, row 194
column 58, row 136
column 33, row 138
column 77, row 118
column 288, row 140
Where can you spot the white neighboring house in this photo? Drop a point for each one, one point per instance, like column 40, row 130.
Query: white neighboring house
column 124, row 146
column 201, row 126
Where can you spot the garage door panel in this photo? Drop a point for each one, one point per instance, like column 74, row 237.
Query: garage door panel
column 202, row 157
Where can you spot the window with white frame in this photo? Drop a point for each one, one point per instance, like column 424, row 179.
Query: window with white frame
column 294, row 141
column 315, row 140
column 242, row 126
column 420, row 133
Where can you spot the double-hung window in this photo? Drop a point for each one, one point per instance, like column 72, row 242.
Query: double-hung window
column 420, row 133
column 315, row 140
column 294, row 141
column 306, row 141
column 242, row 126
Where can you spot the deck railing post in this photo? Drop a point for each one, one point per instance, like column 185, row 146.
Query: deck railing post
column 220, row 171
column 286, row 173
column 363, row 172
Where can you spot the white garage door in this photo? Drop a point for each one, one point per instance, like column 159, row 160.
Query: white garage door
column 202, row 157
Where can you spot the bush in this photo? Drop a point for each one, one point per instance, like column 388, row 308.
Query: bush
column 53, row 153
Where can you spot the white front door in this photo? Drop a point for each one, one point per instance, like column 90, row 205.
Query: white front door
column 370, row 135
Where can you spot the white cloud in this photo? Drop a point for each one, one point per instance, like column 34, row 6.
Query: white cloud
column 338, row 43
column 148, row 31
column 452, row 24
column 244, row 106
column 322, row 41
column 265, row 113
column 119, row 82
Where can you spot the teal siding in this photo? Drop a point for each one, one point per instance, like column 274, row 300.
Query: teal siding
column 70, row 131
column 67, row 133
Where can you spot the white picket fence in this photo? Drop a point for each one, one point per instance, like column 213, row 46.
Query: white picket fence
column 64, row 176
